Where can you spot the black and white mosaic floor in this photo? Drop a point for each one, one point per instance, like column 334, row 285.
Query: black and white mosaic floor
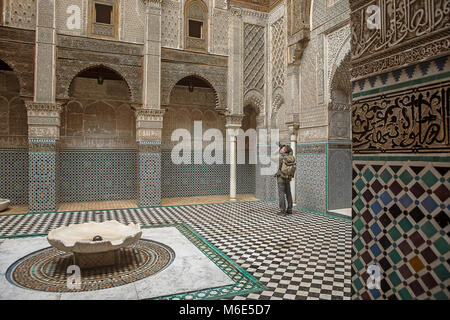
column 301, row 256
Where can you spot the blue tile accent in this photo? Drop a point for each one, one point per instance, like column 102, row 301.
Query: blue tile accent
column 410, row 71
column 424, row 67
column 384, row 77
column 406, row 201
column 440, row 62
column 397, row 74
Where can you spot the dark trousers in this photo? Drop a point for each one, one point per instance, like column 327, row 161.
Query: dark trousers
column 284, row 192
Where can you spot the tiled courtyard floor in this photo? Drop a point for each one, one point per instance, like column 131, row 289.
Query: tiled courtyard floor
column 301, row 256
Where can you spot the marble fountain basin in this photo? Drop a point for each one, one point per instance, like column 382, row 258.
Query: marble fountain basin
column 79, row 240
column 4, row 204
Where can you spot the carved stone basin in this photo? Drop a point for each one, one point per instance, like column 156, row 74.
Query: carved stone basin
column 109, row 237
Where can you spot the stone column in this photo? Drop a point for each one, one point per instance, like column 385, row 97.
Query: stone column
column 233, row 122
column 235, row 62
column 149, row 116
column 43, row 132
column 293, row 129
column 148, row 136
column 43, row 114
column 152, row 55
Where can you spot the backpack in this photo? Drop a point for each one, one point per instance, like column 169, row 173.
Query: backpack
column 288, row 167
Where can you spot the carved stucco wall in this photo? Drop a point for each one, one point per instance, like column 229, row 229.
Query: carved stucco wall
column 171, row 23
column 20, row 13
column 329, row 39
column 98, row 116
column 186, row 107
column 62, row 16
column 17, row 50
column 210, row 69
column 13, row 126
column 219, row 31
column 76, row 55
column 132, row 22
column 13, row 141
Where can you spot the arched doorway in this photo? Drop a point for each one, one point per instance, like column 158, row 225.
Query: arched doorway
column 192, row 99
column 13, row 138
column 245, row 175
column 339, row 153
column 98, row 159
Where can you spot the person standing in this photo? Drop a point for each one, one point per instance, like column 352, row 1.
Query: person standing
column 286, row 171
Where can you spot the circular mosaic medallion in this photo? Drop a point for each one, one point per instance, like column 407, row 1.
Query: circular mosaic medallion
column 47, row 269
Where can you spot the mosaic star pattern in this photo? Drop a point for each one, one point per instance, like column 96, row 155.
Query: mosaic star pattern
column 401, row 223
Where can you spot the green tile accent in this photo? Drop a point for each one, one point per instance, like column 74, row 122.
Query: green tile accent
column 358, row 224
column 429, row 179
column 428, row 229
column 358, row 264
column 395, row 280
column 442, row 272
column 404, row 294
column 358, row 284
column 368, row 175
column 441, row 245
column 358, row 244
column 395, row 257
column 359, row 204
column 360, row 184
column 441, row 296
column 394, row 233
column 405, row 177
column 386, row 175
column 405, row 224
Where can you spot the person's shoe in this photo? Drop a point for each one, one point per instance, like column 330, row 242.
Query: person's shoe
column 288, row 212
column 281, row 213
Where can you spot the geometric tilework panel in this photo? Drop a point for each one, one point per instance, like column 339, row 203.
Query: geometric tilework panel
column 401, row 224
column 97, row 176
column 149, row 179
column 311, row 181
column 265, row 185
column 339, row 178
column 42, row 179
column 188, row 180
column 14, row 176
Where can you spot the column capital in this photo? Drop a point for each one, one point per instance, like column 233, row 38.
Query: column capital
column 149, row 123
column 50, row 107
column 152, row 3
column 260, row 120
column 234, row 121
column 149, row 114
column 339, row 106
column 43, row 120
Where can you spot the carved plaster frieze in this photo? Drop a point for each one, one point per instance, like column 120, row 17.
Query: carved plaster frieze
column 337, row 106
